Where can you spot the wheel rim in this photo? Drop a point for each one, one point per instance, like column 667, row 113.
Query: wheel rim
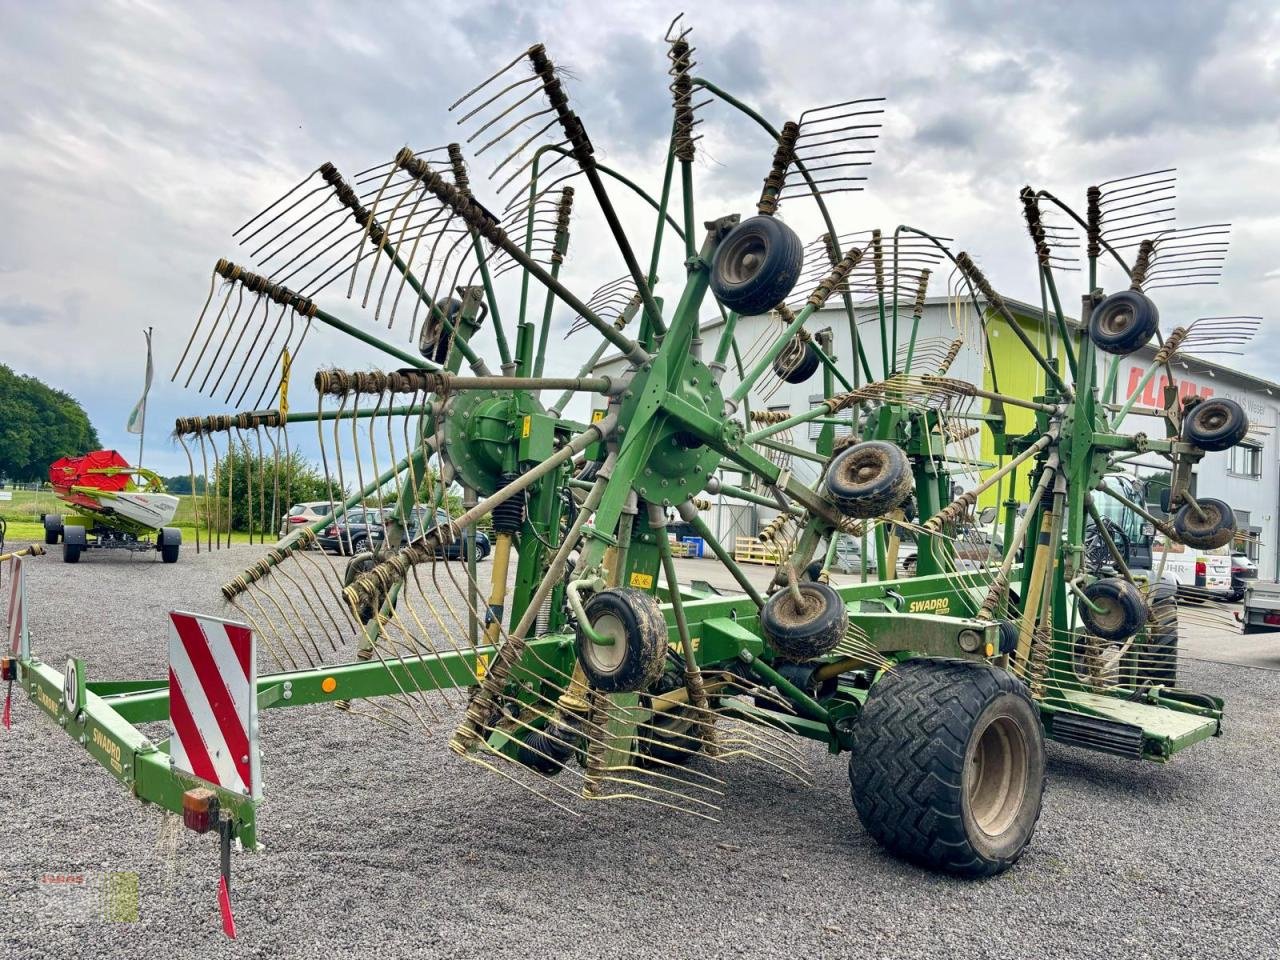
column 996, row 775
column 743, row 259
column 607, row 658
column 1117, row 322
column 1212, row 419
column 1110, row 617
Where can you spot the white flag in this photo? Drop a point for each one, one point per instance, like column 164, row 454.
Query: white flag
column 138, row 419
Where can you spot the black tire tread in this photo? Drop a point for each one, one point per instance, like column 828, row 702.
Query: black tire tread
column 909, row 739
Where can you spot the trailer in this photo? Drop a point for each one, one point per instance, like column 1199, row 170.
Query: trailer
column 118, row 507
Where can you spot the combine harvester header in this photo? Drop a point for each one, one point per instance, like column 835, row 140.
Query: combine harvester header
column 118, row 507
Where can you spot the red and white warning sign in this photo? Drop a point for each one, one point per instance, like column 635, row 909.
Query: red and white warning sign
column 213, row 703
column 19, row 641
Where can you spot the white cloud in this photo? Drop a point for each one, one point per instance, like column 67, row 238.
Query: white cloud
column 135, row 137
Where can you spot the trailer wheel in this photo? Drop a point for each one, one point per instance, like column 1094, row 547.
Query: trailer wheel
column 170, row 543
column 756, row 265
column 797, row 363
column 1215, row 529
column 1215, row 425
column 947, row 769
column 362, row 563
column 1123, row 612
column 549, row 749
column 801, row 633
column 74, row 540
column 1123, row 322
column 634, row 621
column 1155, row 661
column 670, row 738
column 869, row 479
column 52, row 527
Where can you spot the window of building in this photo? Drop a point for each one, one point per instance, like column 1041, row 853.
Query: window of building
column 1246, row 460
column 815, row 428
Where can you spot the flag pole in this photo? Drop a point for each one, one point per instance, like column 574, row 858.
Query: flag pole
column 142, row 433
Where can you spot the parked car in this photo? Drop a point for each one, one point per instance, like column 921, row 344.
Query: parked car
column 360, row 530
column 1243, row 572
column 300, row 513
column 455, row 550
column 353, row 532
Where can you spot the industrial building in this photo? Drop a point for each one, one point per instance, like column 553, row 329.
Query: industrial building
column 1247, row 477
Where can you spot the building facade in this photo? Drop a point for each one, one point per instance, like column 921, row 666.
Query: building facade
column 1247, row 477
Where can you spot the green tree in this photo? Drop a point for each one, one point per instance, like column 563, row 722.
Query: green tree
column 38, row 424
column 181, row 484
column 255, row 492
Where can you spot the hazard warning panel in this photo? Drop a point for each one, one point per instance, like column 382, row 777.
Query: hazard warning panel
column 213, row 706
column 19, row 643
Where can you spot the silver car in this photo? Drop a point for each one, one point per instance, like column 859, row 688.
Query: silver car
column 299, row 513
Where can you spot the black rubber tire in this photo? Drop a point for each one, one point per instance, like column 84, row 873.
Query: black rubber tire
column 670, row 738
column 1216, row 529
column 792, row 370
column 639, row 650
column 75, row 540
column 359, row 564
column 1154, row 661
column 915, row 754
column 1215, row 425
column 869, row 479
column 169, row 544
column 813, row 572
column 1123, row 322
column 549, row 749
column 1097, row 558
column 802, row 635
column 433, row 341
column 756, row 265
column 52, row 528
column 1125, row 609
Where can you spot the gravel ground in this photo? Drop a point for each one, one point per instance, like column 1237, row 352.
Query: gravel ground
column 401, row 848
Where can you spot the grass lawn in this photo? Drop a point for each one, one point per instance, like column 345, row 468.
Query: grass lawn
column 22, row 514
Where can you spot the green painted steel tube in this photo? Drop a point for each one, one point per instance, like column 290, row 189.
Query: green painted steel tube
column 499, row 332
column 663, row 200
column 1061, row 320
column 793, row 693
column 726, row 337
column 403, row 355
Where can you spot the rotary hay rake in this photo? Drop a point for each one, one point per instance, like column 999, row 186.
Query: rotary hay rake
column 585, row 672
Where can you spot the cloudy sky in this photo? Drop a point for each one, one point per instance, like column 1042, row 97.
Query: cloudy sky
column 135, row 136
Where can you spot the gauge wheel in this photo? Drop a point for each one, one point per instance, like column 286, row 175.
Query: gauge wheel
column 633, row 621
column 1123, row 322
column 756, row 265
column 869, row 479
column 1213, row 527
column 1215, row 425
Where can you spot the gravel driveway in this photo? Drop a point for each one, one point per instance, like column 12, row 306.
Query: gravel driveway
column 396, row 848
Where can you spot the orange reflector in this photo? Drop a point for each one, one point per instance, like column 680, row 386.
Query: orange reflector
column 991, row 650
column 328, row 684
column 199, row 809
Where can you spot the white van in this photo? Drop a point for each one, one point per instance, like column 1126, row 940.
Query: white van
column 1200, row 573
